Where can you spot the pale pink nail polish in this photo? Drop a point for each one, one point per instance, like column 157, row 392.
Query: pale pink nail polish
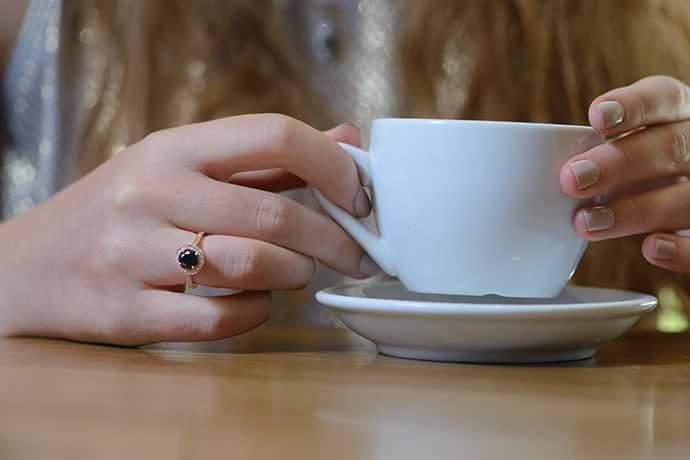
column 599, row 218
column 665, row 249
column 611, row 113
column 586, row 173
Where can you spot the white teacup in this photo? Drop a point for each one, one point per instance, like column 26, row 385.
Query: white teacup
column 470, row 207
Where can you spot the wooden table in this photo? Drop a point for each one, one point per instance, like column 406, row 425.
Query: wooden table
column 298, row 393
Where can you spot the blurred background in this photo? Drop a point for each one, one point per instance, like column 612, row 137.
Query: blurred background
column 89, row 77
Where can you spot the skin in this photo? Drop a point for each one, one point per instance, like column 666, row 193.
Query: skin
column 96, row 262
column 641, row 172
column 102, row 250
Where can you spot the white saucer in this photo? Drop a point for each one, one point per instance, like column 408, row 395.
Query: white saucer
column 489, row 328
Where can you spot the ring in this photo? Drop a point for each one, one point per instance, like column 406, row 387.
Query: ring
column 191, row 258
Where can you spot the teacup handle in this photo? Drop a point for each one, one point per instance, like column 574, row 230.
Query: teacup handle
column 372, row 244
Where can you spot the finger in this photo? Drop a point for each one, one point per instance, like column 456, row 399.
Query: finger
column 270, row 180
column 650, row 101
column 159, row 316
column 224, row 147
column 654, row 153
column 664, row 209
column 667, row 251
column 224, row 209
column 230, row 262
column 278, row 180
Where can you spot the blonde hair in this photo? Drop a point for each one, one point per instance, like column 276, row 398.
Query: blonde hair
column 159, row 63
column 546, row 60
column 528, row 60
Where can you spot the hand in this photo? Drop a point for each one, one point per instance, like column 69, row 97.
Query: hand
column 640, row 170
column 97, row 262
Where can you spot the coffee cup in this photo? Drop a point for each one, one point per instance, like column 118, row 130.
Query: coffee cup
column 469, row 207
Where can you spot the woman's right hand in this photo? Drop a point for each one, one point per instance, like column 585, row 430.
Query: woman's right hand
column 97, row 262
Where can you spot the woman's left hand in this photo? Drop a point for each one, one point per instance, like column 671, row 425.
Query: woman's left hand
column 642, row 174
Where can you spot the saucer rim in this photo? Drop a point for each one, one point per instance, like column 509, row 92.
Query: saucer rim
column 335, row 297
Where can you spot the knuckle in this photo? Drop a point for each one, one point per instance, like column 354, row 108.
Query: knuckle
column 621, row 160
column 114, row 247
column 156, row 141
column 116, row 326
column 244, row 264
column 676, row 145
column 638, row 213
column 655, row 215
column 279, row 132
column 124, row 195
column 274, row 217
column 212, row 323
column 643, row 106
column 159, row 148
column 165, row 322
column 347, row 250
column 112, row 322
column 679, row 93
column 306, row 273
column 133, row 194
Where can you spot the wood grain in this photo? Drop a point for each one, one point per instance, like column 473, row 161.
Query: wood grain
column 310, row 393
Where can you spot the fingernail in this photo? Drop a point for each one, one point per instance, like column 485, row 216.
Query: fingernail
column 665, row 250
column 599, row 218
column 586, row 173
column 611, row 113
column 367, row 266
column 362, row 205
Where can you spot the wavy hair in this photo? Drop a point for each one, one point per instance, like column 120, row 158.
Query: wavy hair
column 142, row 66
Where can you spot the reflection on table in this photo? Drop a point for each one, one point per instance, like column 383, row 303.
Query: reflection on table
column 290, row 392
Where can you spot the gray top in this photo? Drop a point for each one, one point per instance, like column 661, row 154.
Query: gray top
column 32, row 163
column 37, row 157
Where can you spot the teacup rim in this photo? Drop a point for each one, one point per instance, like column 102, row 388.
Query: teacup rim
column 455, row 121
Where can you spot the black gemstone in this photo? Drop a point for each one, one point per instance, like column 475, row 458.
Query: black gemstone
column 188, row 259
